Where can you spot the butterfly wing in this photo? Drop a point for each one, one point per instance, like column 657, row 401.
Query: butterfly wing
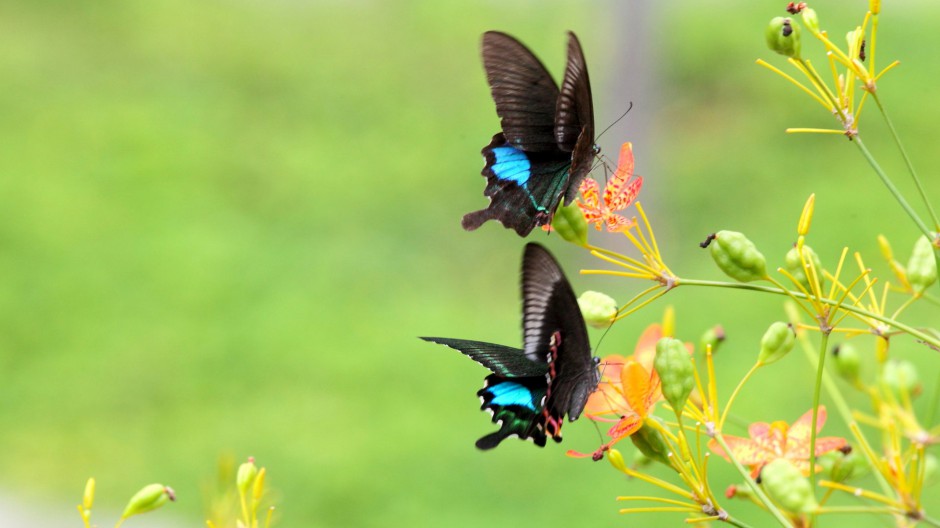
column 516, row 405
column 501, row 360
column 524, row 187
column 574, row 117
column 554, row 332
column 524, row 92
column 513, row 394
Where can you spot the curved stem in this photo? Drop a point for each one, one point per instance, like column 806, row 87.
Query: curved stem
column 724, row 414
column 923, row 336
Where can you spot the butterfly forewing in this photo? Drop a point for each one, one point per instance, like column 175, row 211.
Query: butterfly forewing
column 574, row 117
column 554, row 331
column 524, row 92
column 502, row 360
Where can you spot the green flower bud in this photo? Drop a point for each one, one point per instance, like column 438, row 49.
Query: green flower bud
column 783, row 36
column 713, row 337
column 570, row 224
column 794, row 265
column 246, row 475
column 149, row 498
column 842, row 466
column 810, row 20
column 787, row 486
column 675, row 369
column 777, row 342
column 616, row 460
column 922, row 268
column 88, row 498
column 847, row 362
column 901, row 377
column 651, row 443
column 598, row 309
column 738, row 257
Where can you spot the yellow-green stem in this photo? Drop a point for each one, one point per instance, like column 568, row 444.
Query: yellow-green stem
column 734, row 394
column 837, row 399
column 923, row 336
column 907, row 161
column 813, row 431
column 891, row 188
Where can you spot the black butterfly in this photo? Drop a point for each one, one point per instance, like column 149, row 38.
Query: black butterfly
column 547, row 144
column 531, row 390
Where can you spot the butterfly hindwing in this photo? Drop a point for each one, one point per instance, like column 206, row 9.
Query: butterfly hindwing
column 516, row 405
column 524, row 188
column 546, row 146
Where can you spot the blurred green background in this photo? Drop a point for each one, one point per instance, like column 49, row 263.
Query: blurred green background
column 225, row 223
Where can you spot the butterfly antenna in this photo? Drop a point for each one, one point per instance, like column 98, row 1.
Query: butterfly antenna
column 615, row 121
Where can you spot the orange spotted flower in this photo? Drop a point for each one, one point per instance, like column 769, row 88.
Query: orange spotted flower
column 769, row 442
column 619, row 193
column 627, row 393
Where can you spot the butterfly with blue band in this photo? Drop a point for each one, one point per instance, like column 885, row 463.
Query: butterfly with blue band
column 532, row 389
column 546, row 146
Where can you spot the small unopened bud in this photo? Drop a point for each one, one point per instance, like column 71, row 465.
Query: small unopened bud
column 88, row 498
column 787, row 486
column 847, row 362
column 598, row 309
column 794, row 265
column 570, row 224
column 738, row 257
column 676, row 371
column 922, row 267
column 246, row 475
column 616, row 460
column 649, row 440
column 783, row 36
column 901, row 377
column 874, row 6
column 149, row 498
column 712, row 337
column 777, row 342
column 806, row 216
column 810, row 20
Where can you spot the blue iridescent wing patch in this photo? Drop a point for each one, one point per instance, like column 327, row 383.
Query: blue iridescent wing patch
column 524, row 187
column 516, row 405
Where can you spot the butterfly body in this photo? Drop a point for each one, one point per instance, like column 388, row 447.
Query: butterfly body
column 532, row 389
column 546, row 146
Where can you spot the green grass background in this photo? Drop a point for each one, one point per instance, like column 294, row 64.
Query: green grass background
column 223, row 225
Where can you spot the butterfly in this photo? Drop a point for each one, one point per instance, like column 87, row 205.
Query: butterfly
column 531, row 389
column 546, row 146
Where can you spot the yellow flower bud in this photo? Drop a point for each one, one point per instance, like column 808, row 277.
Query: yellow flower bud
column 246, row 475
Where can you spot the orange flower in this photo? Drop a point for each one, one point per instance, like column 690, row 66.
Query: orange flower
column 629, row 389
column 769, row 442
column 619, row 193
